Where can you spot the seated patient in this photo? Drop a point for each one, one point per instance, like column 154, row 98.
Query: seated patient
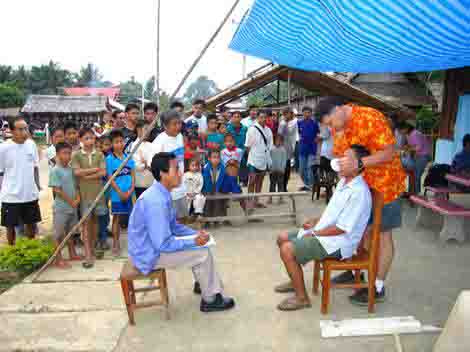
column 153, row 236
column 337, row 234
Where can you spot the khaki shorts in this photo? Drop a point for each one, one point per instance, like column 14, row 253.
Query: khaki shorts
column 309, row 248
column 63, row 223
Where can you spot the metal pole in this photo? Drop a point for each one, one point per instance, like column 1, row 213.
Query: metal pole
column 204, row 49
column 157, row 75
column 244, row 67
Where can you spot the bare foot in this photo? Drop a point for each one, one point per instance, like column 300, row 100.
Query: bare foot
column 61, row 264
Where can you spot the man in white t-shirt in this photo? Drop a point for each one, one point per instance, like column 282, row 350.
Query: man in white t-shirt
column 259, row 141
column 171, row 141
column 250, row 119
column 197, row 120
column 19, row 160
column 336, row 234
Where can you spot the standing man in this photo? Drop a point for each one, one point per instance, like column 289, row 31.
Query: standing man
column 19, row 161
column 197, row 121
column 289, row 131
column 308, row 131
column 129, row 131
column 150, row 114
column 259, row 141
column 238, row 131
column 250, row 119
column 353, row 124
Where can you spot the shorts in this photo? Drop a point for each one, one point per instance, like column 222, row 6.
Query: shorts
column 309, row 248
column 99, row 210
column 63, row 223
column 121, row 208
column 254, row 170
column 391, row 216
column 181, row 207
column 14, row 214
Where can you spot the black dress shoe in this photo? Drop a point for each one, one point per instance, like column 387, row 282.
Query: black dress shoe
column 220, row 303
column 346, row 278
column 197, row 288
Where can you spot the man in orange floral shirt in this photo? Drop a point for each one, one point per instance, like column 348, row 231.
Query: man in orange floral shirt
column 383, row 172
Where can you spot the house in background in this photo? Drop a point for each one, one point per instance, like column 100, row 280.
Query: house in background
column 111, row 92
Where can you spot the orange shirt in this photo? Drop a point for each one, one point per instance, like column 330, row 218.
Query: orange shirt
column 371, row 129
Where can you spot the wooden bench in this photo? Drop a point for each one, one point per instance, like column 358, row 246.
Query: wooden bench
column 454, row 216
column 441, row 192
column 292, row 214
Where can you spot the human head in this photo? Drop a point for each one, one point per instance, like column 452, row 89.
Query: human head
column 107, row 116
column 165, row 170
column 105, row 144
column 222, row 128
column 117, row 141
column 87, row 138
column 236, row 118
column 150, row 112
column 288, row 114
column 212, row 123
column 405, row 128
column 63, row 153
column 58, row 135
column 307, row 112
column 19, row 129
column 171, row 120
column 278, row 140
column 333, row 112
column 194, row 165
column 214, row 157
column 357, row 151
column 261, row 118
column 193, row 141
column 225, row 114
column 198, row 107
column 466, row 142
column 253, row 111
column 132, row 113
column 71, row 133
column 177, row 105
column 229, row 140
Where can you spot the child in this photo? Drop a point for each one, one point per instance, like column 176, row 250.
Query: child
column 58, row 136
column 89, row 167
column 191, row 150
column 143, row 176
column 106, row 147
column 231, row 159
column 66, row 200
column 214, row 140
column 222, row 128
column 193, row 183
column 122, row 186
column 279, row 160
column 103, row 220
column 72, row 136
column 214, row 182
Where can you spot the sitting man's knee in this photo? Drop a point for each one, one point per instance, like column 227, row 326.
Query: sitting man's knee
column 287, row 250
column 283, row 237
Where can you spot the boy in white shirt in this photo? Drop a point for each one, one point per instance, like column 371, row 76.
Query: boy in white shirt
column 19, row 160
column 336, row 234
column 193, row 182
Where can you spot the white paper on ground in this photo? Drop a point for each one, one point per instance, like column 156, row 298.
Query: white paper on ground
column 210, row 243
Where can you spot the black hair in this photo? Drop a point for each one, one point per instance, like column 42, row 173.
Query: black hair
column 228, row 135
column 104, row 137
column 307, row 108
column 115, row 113
column 199, row 101
column 60, row 146
column 237, row 113
column 212, row 151
column 13, row 120
column 70, row 126
column 176, row 104
column 56, row 129
column 140, row 124
column 83, row 131
column 161, row 163
column 169, row 116
column 132, row 106
column 326, row 105
column 193, row 137
column 211, row 117
column 116, row 133
column 360, row 151
column 252, row 106
column 151, row 106
column 261, row 112
column 466, row 139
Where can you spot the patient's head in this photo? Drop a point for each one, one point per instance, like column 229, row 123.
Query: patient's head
column 356, row 151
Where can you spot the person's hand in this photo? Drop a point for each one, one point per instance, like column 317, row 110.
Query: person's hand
column 348, row 164
column 123, row 196
column 202, row 238
column 75, row 203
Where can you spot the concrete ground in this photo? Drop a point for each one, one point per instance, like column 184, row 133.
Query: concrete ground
column 79, row 310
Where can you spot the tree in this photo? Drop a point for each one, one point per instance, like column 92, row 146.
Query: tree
column 201, row 88
column 89, row 75
column 130, row 90
column 10, row 96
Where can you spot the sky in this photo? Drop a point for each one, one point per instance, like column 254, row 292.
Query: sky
column 119, row 36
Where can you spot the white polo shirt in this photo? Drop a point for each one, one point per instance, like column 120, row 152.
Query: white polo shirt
column 349, row 209
column 18, row 161
column 260, row 153
column 201, row 122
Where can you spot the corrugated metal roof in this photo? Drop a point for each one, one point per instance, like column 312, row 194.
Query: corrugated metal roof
column 64, row 104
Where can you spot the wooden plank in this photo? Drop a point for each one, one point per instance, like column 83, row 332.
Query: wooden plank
column 256, row 195
column 245, row 217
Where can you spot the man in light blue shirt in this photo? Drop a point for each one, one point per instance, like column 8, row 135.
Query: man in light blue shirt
column 155, row 241
column 336, row 234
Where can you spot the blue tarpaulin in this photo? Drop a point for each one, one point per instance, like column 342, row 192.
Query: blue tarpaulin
column 358, row 35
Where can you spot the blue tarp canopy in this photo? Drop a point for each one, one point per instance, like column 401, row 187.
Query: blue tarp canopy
column 358, row 35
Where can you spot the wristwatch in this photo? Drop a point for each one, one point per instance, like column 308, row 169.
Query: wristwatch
column 360, row 164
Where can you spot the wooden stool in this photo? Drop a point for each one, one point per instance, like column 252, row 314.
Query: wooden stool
column 129, row 274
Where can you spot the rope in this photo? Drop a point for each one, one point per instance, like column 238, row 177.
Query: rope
column 129, row 156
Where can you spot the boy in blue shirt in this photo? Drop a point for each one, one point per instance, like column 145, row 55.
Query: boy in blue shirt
column 215, row 139
column 122, row 187
column 308, row 131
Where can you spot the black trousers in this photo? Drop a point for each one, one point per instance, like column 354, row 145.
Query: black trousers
column 286, row 175
column 277, row 180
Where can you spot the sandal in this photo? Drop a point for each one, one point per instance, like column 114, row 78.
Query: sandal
column 292, row 303
column 88, row 264
column 284, row 288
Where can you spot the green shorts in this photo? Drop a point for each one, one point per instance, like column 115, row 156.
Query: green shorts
column 309, row 248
